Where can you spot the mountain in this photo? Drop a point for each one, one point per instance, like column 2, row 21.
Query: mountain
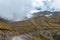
column 38, row 20
column 38, row 27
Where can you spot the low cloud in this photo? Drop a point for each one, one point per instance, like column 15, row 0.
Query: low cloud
column 17, row 10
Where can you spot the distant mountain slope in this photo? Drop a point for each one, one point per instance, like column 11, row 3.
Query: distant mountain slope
column 38, row 27
column 38, row 21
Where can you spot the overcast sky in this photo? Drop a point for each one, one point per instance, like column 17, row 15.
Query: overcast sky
column 16, row 10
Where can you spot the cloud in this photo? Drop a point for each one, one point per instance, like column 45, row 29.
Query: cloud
column 14, row 10
column 48, row 5
column 17, row 10
column 56, row 4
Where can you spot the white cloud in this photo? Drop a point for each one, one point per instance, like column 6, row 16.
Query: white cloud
column 16, row 10
column 56, row 4
column 47, row 4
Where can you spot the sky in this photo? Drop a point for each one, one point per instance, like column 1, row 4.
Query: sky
column 18, row 10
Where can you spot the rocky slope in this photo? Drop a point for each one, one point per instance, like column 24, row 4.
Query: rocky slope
column 39, row 27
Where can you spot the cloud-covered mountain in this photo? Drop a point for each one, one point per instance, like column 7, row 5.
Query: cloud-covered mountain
column 45, row 5
column 16, row 10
